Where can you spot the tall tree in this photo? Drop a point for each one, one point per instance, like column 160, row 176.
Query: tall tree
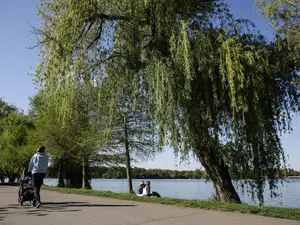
column 205, row 83
column 16, row 145
column 130, row 130
column 6, row 109
column 71, row 140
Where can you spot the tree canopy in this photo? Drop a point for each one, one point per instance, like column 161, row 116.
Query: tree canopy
column 17, row 141
column 212, row 83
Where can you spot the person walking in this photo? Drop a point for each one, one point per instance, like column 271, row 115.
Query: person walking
column 38, row 166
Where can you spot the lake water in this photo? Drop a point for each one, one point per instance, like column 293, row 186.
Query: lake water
column 199, row 189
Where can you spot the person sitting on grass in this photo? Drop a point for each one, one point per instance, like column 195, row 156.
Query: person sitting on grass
column 140, row 190
column 146, row 190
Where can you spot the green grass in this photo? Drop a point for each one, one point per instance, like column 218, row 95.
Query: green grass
column 284, row 213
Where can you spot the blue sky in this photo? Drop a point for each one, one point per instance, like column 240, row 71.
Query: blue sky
column 17, row 62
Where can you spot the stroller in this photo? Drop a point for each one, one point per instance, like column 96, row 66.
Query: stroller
column 26, row 192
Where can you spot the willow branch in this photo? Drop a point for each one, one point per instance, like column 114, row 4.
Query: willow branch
column 98, row 35
column 292, row 4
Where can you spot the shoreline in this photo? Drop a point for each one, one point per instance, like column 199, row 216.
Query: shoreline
column 268, row 211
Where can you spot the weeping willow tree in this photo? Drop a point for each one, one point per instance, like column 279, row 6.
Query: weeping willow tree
column 217, row 89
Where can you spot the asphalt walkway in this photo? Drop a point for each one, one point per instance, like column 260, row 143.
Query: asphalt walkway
column 69, row 209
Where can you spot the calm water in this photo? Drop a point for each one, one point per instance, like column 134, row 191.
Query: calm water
column 198, row 189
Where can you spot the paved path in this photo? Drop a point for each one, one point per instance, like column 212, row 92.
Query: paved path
column 69, row 209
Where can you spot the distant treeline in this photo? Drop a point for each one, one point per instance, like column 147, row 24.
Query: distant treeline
column 139, row 173
column 291, row 172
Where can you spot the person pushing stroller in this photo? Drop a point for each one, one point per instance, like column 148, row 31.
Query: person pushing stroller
column 38, row 166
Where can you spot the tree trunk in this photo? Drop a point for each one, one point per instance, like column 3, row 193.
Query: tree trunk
column 219, row 175
column 83, row 175
column 73, row 175
column 11, row 177
column 128, row 171
column 128, row 166
column 85, row 178
column 60, row 177
column 2, row 177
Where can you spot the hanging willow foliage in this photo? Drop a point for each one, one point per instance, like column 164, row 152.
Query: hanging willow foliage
column 284, row 16
column 218, row 89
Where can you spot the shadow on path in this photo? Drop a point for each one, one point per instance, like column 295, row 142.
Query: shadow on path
column 3, row 211
column 50, row 207
column 82, row 204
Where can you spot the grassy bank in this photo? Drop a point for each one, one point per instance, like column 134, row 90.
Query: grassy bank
column 285, row 213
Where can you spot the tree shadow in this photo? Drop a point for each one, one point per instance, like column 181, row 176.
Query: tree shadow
column 44, row 211
column 3, row 209
column 10, row 206
column 51, row 207
column 83, row 204
column 37, row 213
column 63, row 203
column 55, row 207
column 3, row 212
